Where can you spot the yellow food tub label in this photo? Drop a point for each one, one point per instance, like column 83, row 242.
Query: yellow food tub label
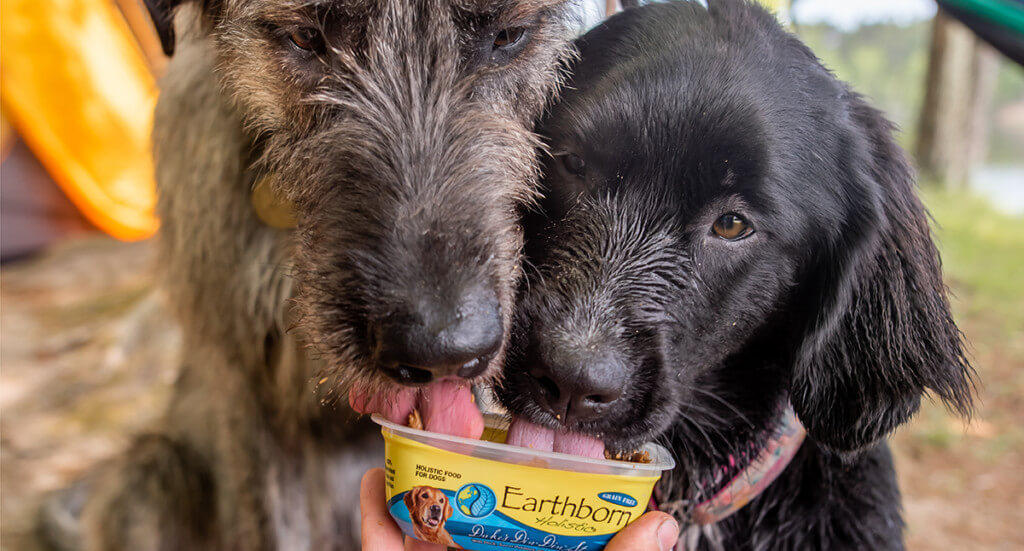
column 472, row 503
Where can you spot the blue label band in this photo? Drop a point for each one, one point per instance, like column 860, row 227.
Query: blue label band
column 475, row 523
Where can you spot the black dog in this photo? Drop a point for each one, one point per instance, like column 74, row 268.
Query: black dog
column 728, row 228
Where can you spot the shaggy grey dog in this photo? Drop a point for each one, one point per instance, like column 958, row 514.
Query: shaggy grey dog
column 400, row 131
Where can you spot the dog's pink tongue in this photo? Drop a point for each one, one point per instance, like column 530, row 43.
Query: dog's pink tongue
column 574, row 443
column 394, row 407
column 446, row 406
column 529, row 435
column 525, row 434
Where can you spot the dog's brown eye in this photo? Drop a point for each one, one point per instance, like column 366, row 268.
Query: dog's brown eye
column 574, row 164
column 731, row 226
column 509, row 37
column 306, row 38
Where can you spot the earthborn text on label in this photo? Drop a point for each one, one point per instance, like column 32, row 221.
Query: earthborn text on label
column 436, row 496
column 564, row 508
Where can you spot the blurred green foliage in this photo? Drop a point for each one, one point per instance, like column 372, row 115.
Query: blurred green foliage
column 983, row 265
column 983, row 259
column 888, row 64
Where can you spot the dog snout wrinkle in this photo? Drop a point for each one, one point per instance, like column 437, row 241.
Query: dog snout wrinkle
column 443, row 338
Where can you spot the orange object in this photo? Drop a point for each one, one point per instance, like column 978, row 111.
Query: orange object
column 77, row 87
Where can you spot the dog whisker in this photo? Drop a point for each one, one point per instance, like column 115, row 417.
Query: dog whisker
column 723, row 401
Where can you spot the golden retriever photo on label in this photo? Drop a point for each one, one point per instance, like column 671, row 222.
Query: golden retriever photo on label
column 429, row 509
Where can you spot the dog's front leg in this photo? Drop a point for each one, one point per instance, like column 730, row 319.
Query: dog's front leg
column 156, row 496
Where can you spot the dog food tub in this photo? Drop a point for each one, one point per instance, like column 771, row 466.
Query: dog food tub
column 486, row 495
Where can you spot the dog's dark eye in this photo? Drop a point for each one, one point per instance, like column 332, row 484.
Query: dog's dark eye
column 507, row 38
column 441, row 500
column 424, row 496
column 574, row 164
column 732, row 226
column 307, row 39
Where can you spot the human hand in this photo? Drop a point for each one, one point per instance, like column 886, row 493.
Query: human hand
column 652, row 532
column 379, row 531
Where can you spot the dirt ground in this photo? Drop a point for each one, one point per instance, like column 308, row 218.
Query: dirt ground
column 87, row 356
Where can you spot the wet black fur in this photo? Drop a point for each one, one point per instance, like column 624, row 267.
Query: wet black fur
column 835, row 302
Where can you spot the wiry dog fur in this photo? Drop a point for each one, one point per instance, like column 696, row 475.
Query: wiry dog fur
column 403, row 138
column 675, row 116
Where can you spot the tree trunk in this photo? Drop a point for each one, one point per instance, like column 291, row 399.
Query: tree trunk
column 954, row 123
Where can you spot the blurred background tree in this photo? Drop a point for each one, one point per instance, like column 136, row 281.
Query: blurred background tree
column 959, row 104
column 954, row 122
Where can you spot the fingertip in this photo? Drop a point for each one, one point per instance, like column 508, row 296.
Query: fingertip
column 654, row 531
column 668, row 533
column 379, row 532
column 371, row 485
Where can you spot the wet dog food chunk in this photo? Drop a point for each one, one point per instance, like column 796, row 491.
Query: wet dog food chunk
column 415, row 421
column 633, row 457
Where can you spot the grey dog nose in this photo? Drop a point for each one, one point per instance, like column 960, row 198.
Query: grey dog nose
column 578, row 389
column 441, row 340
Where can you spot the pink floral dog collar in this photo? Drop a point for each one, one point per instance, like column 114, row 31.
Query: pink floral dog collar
column 746, row 485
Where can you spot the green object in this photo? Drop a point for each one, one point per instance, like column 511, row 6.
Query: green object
column 998, row 22
column 1006, row 13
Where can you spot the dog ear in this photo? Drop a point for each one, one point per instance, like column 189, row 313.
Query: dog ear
column 409, row 500
column 883, row 334
column 448, row 511
column 162, row 14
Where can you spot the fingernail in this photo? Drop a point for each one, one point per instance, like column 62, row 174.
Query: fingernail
column 668, row 535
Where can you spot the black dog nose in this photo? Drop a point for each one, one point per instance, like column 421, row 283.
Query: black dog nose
column 580, row 389
column 441, row 339
column 435, row 509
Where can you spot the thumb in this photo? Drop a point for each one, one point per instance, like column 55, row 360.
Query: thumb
column 654, row 531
